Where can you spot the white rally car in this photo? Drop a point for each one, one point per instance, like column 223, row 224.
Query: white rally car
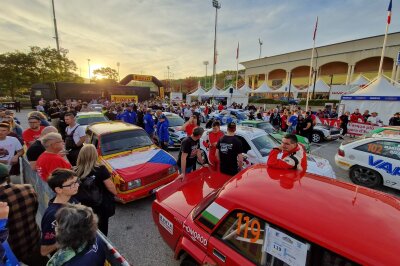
column 258, row 144
column 372, row 160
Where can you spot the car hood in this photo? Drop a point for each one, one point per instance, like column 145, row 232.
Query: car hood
column 184, row 195
column 136, row 164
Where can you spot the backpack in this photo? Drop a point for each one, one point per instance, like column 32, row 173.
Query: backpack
column 89, row 193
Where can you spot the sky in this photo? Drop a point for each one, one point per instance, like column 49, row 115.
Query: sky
column 148, row 36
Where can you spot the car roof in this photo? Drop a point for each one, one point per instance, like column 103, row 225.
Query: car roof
column 254, row 122
column 243, row 131
column 101, row 128
column 356, row 222
column 170, row 114
column 91, row 113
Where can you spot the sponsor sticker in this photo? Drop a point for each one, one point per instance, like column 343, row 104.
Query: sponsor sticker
column 164, row 222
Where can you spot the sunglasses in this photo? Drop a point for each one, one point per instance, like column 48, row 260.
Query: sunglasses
column 77, row 182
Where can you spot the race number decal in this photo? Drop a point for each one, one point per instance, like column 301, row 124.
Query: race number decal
column 375, row 148
column 254, row 227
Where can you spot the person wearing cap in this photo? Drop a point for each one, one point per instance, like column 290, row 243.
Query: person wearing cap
column 190, row 152
column 33, row 132
column 36, row 149
column 10, row 147
column 163, row 132
column 289, row 155
column 229, row 152
column 395, row 120
column 374, row 119
column 24, row 233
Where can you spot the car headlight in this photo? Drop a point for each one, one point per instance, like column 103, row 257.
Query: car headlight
column 171, row 170
column 134, row 184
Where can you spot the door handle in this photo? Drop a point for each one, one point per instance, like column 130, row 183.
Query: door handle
column 219, row 255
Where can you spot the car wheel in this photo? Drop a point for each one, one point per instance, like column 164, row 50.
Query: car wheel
column 188, row 261
column 203, row 156
column 316, row 137
column 365, row 177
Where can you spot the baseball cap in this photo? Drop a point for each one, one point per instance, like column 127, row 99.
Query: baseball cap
column 232, row 125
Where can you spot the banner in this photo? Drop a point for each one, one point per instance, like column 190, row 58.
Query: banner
column 360, row 128
column 176, row 97
column 333, row 122
column 124, row 98
column 142, row 78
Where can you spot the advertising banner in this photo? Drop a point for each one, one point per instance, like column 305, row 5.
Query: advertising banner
column 176, row 97
column 359, row 128
column 124, row 98
column 330, row 122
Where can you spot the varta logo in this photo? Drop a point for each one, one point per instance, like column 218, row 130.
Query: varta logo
column 381, row 164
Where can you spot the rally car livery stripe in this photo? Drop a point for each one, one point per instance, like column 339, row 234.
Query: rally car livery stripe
column 138, row 158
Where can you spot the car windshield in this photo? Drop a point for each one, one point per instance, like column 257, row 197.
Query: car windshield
column 86, row 120
column 124, row 141
column 175, row 121
column 264, row 144
column 267, row 127
column 240, row 115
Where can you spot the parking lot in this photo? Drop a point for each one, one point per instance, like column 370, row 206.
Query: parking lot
column 134, row 234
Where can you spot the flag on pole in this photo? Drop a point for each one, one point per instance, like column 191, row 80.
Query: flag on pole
column 237, row 52
column 389, row 12
column 315, row 29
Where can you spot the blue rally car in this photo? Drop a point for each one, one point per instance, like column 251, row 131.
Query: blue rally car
column 229, row 115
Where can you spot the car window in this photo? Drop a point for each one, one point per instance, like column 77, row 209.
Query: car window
column 264, row 144
column 266, row 244
column 390, row 149
column 124, row 141
column 175, row 121
column 86, row 120
column 267, row 127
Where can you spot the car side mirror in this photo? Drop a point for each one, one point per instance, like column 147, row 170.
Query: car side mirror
column 251, row 153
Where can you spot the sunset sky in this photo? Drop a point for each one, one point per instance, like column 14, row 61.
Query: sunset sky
column 146, row 36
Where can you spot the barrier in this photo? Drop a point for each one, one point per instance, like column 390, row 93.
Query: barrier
column 44, row 192
column 353, row 128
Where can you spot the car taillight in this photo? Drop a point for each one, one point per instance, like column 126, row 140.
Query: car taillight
column 340, row 152
column 123, row 186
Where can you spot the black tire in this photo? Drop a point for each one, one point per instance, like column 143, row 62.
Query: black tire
column 365, row 177
column 204, row 156
column 188, row 261
column 316, row 137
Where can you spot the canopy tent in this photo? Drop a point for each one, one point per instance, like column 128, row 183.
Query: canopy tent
column 378, row 96
column 245, row 89
column 197, row 93
column 285, row 89
column 236, row 96
column 360, row 81
column 264, row 88
column 213, row 92
column 320, row 87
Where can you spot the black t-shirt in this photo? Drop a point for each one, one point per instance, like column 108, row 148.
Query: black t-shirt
column 190, row 147
column 229, row 148
column 94, row 255
column 306, row 121
column 34, row 151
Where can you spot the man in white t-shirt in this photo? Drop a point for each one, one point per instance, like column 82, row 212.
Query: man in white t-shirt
column 374, row 119
column 10, row 147
column 74, row 138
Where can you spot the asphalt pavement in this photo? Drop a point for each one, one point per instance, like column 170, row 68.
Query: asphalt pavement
column 135, row 235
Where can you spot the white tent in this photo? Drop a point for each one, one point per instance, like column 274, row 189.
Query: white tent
column 197, row 93
column 264, row 88
column 236, row 97
column 285, row 89
column 245, row 89
column 320, row 86
column 213, row 92
column 360, row 81
column 379, row 96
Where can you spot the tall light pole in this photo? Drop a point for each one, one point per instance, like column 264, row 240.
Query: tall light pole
column 55, row 26
column 168, row 81
column 260, row 43
column 205, row 80
column 118, row 64
column 217, row 6
column 88, row 62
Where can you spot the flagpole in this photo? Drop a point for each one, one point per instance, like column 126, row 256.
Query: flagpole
column 311, row 64
column 385, row 38
column 237, row 66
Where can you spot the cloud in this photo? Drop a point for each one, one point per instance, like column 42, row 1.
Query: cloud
column 147, row 36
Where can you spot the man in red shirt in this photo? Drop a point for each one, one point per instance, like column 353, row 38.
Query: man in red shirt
column 211, row 144
column 290, row 155
column 52, row 158
column 33, row 132
column 356, row 117
column 220, row 107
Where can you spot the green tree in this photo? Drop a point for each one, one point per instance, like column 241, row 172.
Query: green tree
column 106, row 73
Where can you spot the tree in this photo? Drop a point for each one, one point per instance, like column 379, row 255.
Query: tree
column 106, row 73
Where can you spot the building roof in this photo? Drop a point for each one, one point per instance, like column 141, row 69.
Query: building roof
column 356, row 222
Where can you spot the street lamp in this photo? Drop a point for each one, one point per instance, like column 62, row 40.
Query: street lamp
column 217, row 6
column 205, row 80
column 88, row 62
column 118, row 64
column 260, row 43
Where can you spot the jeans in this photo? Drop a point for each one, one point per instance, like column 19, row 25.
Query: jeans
column 188, row 169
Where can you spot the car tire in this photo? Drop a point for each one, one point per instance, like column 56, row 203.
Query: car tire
column 188, row 261
column 365, row 177
column 316, row 137
column 204, row 156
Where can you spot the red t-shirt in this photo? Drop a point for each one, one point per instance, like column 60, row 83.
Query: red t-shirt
column 189, row 129
column 30, row 135
column 48, row 162
column 213, row 138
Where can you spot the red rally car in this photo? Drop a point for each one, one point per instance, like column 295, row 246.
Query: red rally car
column 266, row 216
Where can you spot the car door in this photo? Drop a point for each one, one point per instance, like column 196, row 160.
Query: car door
column 391, row 163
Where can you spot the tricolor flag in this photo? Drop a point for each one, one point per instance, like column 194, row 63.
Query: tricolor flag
column 214, row 213
column 237, row 52
column 389, row 12
column 315, row 29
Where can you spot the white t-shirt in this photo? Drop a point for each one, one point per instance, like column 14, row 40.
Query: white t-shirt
column 78, row 134
column 374, row 120
column 8, row 147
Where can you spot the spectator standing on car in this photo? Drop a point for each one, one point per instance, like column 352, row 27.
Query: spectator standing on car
column 65, row 184
column 229, row 152
column 275, row 119
column 344, row 121
column 88, row 167
column 163, row 132
column 395, row 120
column 292, row 123
column 33, row 132
column 37, row 148
column 77, row 239
column 149, row 123
column 24, row 233
column 289, row 155
column 75, row 136
column 190, row 152
column 211, row 143
column 53, row 157
column 356, row 117
column 190, row 125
